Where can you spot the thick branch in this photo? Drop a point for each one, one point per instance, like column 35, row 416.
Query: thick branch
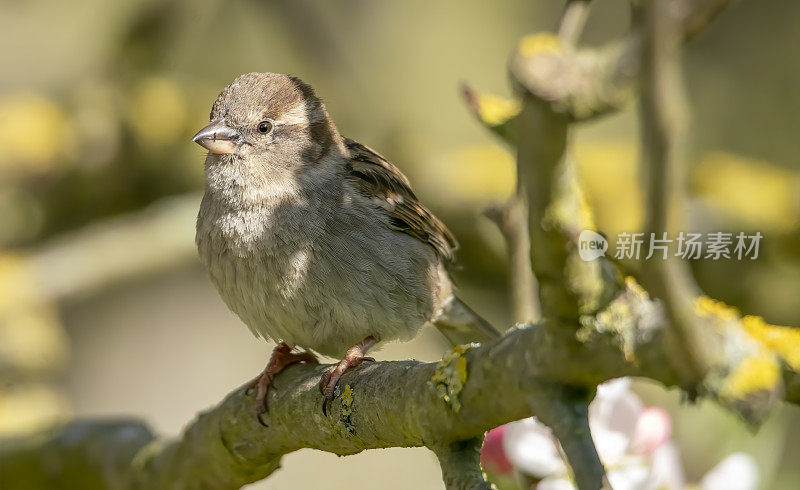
column 387, row 404
column 539, row 155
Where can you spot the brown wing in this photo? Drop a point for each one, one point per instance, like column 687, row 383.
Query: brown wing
column 377, row 178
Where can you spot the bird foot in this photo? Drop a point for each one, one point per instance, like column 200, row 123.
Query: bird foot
column 330, row 378
column 282, row 356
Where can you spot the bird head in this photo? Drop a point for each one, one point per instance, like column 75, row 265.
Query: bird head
column 268, row 119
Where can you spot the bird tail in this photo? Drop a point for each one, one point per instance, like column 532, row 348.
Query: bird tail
column 461, row 325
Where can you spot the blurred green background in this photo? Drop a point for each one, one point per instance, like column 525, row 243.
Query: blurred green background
column 104, row 309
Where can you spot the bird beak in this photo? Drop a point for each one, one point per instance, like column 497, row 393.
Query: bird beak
column 217, row 138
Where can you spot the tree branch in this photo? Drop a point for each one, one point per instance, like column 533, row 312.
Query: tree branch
column 392, row 404
column 568, row 286
column 572, row 20
column 461, row 465
column 664, row 123
column 546, row 181
column 585, row 83
column 512, row 219
column 567, row 415
column 387, row 404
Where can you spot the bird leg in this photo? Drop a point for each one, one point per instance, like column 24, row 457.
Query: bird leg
column 355, row 355
column 282, row 356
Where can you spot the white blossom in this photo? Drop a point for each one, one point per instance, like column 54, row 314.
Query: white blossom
column 633, row 442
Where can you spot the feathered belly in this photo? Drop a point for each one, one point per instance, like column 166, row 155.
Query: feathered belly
column 325, row 299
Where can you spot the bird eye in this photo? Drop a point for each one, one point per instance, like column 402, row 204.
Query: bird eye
column 264, row 127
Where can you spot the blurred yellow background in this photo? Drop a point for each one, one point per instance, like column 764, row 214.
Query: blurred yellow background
column 104, row 308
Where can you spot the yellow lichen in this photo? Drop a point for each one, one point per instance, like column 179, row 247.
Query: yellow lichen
column 572, row 204
column 753, row 375
column 615, row 317
column 785, row 341
column 346, row 410
column 781, row 340
column 537, row 44
column 707, row 308
column 494, row 110
column 347, row 400
column 450, row 376
column 634, row 286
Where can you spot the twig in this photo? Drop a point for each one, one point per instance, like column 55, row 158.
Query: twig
column 567, row 415
column 540, row 153
column 696, row 14
column 544, row 179
column 572, row 20
column 664, row 123
column 554, row 92
column 512, row 220
column 460, row 462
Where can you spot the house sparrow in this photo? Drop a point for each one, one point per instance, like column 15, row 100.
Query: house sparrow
column 315, row 240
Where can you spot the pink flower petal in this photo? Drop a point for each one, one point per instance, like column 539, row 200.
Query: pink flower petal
column 653, row 428
column 493, row 456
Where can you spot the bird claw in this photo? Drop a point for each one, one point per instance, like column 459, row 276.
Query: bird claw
column 330, row 379
column 328, row 393
column 326, row 401
column 281, row 357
